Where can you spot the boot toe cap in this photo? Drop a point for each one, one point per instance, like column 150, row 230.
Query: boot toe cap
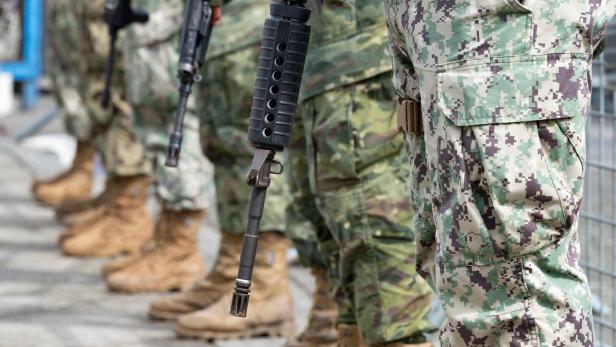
column 79, row 245
column 175, row 304
column 198, row 320
column 123, row 282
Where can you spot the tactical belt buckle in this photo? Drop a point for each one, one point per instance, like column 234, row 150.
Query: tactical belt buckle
column 409, row 116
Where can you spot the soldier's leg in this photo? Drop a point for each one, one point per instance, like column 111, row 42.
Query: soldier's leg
column 175, row 260
column 224, row 104
column 360, row 176
column 271, row 304
column 127, row 169
column 315, row 246
column 422, row 225
column 118, row 220
column 75, row 184
column 72, row 71
column 507, row 268
column 506, row 177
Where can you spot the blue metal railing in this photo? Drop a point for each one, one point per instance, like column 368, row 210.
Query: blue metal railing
column 28, row 70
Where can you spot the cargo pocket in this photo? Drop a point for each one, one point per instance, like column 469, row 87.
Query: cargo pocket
column 514, row 133
column 354, row 132
column 518, row 89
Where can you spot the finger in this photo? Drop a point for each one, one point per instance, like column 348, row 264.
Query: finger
column 216, row 14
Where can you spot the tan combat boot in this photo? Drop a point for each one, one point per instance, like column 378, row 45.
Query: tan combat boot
column 207, row 291
column 271, row 306
column 321, row 329
column 173, row 264
column 86, row 211
column 123, row 229
column 120, row 262
column 71, row 186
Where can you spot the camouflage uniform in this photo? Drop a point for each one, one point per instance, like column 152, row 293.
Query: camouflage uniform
column 497, row 176
column 224, row 103
column 152, row 88
column 79, row 47
column 348, row 175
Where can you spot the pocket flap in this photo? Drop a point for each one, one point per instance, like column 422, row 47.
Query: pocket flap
column 509, row 91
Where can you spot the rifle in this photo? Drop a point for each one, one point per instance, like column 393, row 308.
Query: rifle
column 118, row 15
column 284, row 46
column 196, row 32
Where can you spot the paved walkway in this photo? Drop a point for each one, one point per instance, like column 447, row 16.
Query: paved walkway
column 47, row 300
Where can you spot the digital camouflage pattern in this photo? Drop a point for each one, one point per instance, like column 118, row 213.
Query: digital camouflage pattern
column 497, row 176
column 224, row 101
column 151, row 53
column 79, row 45
column 348, row 175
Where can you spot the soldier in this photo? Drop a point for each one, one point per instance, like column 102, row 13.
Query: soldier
column 66, row 66
column 172, row 259
column 349, row 178
column 79, row 44
column 502, row 90
column 224, row 103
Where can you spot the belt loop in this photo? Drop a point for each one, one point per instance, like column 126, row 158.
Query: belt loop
column 408, row 112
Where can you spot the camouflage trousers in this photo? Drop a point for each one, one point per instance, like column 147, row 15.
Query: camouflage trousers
column 224, row 104
column 534, row 293
column 78, row 121
column 497, row 175
column 233, row 195
column 112, row 131
column 188, row 186
column 349, row 180
column 120, row 148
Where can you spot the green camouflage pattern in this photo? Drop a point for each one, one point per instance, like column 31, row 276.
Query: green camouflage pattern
column 120, row 147
column 79, row 45
column 151, row 53
column 224, row 100
column 352, row 48
column 240, row 27
column 497, row 176
column 349, row 178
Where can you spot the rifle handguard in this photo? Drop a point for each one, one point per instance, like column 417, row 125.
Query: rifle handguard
column 279, row 77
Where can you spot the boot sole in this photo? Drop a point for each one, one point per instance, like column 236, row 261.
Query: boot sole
column 161, row 289
column 285, row 329
column 165, row 316
column 173, row 287
column 119, row 252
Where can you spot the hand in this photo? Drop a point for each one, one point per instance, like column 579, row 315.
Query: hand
column 216, row 14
